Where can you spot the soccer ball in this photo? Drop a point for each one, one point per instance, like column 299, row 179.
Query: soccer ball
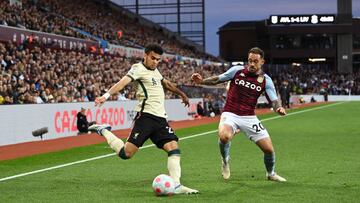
column 163, row 185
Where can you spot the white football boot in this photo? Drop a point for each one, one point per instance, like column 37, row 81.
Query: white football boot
column 180, row 189
column 98, row 128
column 225, row 168
column 275, row 177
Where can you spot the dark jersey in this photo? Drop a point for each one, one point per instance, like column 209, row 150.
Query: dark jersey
column 82, row 123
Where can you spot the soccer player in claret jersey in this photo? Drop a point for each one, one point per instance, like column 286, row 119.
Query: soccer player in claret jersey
column 150, row 121
column 246, row 85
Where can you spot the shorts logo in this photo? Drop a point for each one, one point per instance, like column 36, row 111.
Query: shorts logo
column 136, row 135
column 169, row 129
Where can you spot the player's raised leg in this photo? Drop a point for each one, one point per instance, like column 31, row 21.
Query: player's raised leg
column 174, row 168
column 114, row 142
column 266, row 146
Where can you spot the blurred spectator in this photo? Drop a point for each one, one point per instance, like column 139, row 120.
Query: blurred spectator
column 37, row 98
column 285, row 94
column 208, row 106
column 200, row 109
column 312, row 100
column 82, row 122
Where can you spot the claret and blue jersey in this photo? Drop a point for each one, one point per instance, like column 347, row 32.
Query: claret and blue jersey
column 245, row 89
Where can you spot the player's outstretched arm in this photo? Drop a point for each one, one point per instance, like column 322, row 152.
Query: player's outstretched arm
column 172, row 87
column 278, row 108
column 198, row 79
column 115, row 88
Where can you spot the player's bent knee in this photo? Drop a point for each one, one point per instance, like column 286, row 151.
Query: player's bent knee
column 268, row 150
column 225, row 137
column 224, row 140
column 173, row 145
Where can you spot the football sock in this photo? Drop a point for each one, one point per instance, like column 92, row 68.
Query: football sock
column 225, row 150
column 269, row 160
column 173, row 165
column 114, row 142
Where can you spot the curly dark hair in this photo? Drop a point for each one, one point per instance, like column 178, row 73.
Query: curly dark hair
column 155, row 48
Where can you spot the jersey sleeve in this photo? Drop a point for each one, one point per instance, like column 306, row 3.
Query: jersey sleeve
column 134, row 72
column 161, row 76
column 229, row 74
column 270, row 89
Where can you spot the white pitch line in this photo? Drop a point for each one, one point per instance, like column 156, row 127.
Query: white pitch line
column 151, row 145
column 303, row 111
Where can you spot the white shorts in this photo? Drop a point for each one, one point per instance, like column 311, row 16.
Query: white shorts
column 250, row 125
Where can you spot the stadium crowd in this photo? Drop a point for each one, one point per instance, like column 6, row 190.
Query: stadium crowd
column 43, row 75
column 315, row 80
column 94, row 17
column 32, row 73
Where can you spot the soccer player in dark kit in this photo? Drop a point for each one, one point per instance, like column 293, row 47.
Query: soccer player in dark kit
column 246, row 85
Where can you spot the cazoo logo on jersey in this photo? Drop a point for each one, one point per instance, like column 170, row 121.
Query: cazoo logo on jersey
column 248, row 85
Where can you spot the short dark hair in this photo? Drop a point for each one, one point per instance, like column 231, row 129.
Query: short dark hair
column 257, row 50
column 155, row 48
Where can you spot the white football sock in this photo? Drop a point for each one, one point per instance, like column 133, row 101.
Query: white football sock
column 174, row 168
column 114, row 142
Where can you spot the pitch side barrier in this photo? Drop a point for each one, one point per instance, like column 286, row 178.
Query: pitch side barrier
column 19, row 121
column 321, row 98
column 295, row 99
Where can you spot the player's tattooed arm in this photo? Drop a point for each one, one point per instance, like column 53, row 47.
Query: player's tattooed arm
column 275, row 104
column 214, row 80
column 278, row 108
column 198, row 79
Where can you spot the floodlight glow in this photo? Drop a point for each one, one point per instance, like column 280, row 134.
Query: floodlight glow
column 317, row 59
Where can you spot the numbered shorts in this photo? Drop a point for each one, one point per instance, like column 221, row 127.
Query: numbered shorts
column 250, row 125
column 156, row 128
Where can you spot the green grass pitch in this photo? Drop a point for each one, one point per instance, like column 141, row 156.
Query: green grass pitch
column 317, row 151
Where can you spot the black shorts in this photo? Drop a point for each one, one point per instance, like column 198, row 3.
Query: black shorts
column 149, row 126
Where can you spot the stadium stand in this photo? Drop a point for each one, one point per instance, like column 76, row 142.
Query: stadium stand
column 91, row 19
column 313, row 79
column 43, row 75
column 32, row 72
